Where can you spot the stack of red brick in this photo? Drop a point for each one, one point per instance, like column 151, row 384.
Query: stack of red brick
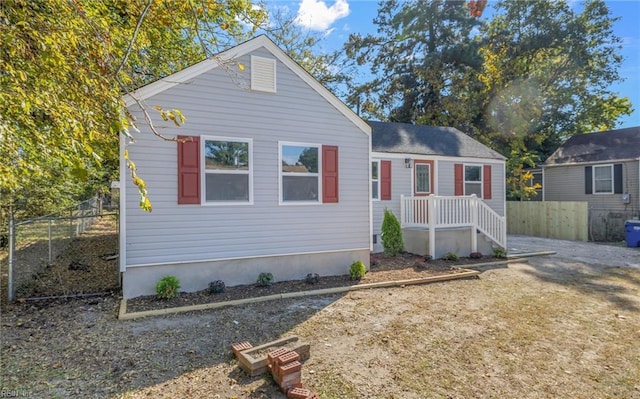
column 286, row 370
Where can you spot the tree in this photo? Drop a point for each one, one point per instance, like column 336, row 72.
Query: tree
column 66, row 64
column 302, row 45
column 546, row 75
column 420, row 62
column 522, row 82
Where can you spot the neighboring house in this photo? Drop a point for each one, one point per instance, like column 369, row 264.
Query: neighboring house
column 602, row 169
column 270, row 174
column 412, row 162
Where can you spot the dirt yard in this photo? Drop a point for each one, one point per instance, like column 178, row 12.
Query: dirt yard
column 561, row 326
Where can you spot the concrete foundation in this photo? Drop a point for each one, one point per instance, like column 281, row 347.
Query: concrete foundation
column 196, row 276
column 456, row 240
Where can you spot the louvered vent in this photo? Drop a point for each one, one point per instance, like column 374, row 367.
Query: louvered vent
column 263, row 74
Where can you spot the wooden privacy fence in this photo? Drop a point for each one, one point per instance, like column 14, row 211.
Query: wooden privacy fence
column 566, row 220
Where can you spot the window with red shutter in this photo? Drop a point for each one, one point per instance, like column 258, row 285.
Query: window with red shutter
column 330, row 188
column 188, row 170
column 385, row 180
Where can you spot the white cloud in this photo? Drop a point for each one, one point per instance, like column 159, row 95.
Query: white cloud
column 315, row 15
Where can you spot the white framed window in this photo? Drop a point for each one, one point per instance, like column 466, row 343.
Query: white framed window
column 300, row 179
column 603, row 179
column 375, row 180
column 228, row 170
column 473, row 180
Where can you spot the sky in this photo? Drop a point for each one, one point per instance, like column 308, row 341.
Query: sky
column 337, row 19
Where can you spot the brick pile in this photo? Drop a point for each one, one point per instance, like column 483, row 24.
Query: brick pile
column 285, row 367
column 286, row 371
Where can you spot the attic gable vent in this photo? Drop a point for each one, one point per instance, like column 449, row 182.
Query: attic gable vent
column 263, row 74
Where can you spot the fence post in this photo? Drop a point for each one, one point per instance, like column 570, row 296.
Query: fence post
column 12, row 241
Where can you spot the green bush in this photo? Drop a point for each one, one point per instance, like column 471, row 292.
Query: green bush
column 357, row 270
column 216, row 287
column 312, row 278
column 450, row 256
column 168, row 287
column 391, row 234
column 499, row 253
column 264, row 279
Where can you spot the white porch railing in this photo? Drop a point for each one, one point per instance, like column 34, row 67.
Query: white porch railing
column 460, row 211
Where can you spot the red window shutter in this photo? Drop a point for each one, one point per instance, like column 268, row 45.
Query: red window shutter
column 330, row 187
column 189, row 170
column 385, row 180
column 486, row 181
column 458, row 179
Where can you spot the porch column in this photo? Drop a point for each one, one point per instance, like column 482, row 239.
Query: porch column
column 474, row 223
column 431, row 222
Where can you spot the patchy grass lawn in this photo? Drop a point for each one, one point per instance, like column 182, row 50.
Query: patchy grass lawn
column 547, row 328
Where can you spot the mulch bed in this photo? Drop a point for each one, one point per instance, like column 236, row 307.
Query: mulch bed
column 383, row 268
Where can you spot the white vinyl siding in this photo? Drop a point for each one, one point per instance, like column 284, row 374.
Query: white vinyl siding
column 216, row 105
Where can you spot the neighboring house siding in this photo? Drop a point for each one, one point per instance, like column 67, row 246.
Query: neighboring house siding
column 215, row 106
column 567, row 183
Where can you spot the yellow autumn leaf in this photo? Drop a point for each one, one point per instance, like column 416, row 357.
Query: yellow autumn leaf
column 240, row 66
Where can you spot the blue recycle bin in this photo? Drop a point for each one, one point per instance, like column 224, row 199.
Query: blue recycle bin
column 632, row 228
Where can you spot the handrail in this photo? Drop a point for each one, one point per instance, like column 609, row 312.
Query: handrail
column 453, row 211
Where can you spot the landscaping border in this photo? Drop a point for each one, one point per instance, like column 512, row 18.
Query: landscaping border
column 465, row 273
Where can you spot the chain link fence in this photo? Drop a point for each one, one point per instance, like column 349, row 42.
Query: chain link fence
column 72, row 253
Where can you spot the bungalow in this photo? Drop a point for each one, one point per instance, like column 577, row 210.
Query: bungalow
column 269, row 174
column 602, row 169
column 444, row 186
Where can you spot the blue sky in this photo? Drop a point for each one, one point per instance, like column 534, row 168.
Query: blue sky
column 336, row 19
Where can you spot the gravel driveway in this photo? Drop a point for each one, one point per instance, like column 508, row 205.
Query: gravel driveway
column 578, row 251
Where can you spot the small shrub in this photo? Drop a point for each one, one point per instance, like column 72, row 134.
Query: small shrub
column 168, row 287
column 475, row 255
column 391, row 234
column 312, row 278
column 264, row 279
column 499, row 253
column 357, row 270
column 419, row 265
column 450, row 256
column 428, row 258
column 216, row 287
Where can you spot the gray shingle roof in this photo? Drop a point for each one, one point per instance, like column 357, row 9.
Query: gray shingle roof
column 404, row 138
column 596, row 147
